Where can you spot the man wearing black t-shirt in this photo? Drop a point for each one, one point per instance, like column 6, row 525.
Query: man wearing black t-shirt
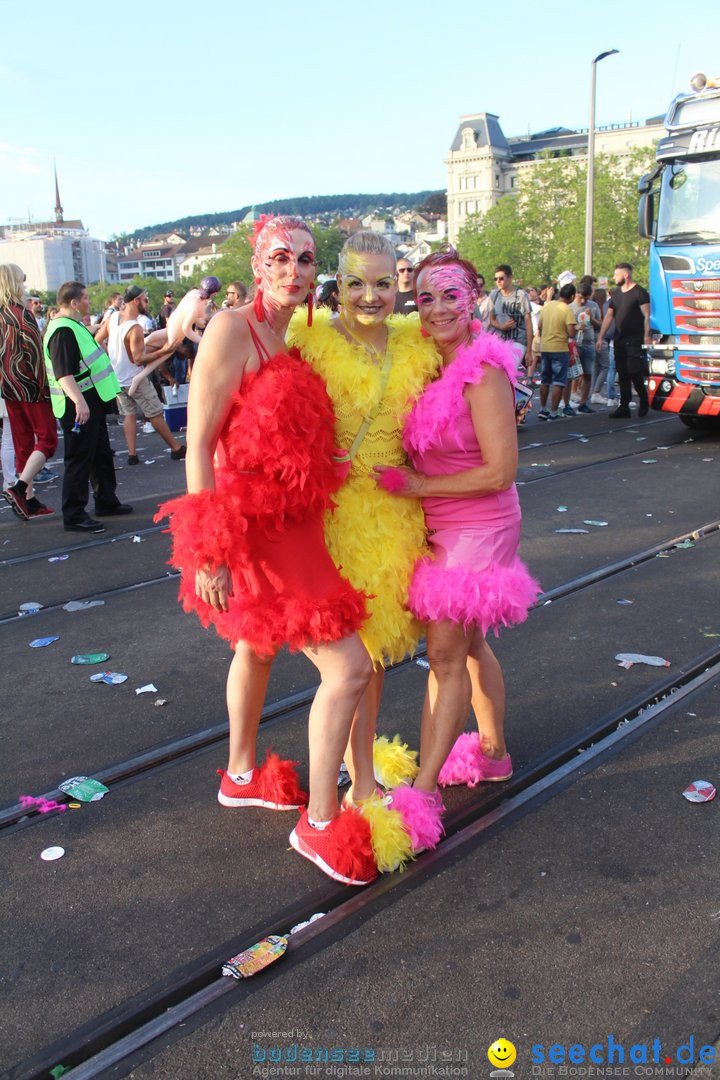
column 629, row 305
column 405, row 296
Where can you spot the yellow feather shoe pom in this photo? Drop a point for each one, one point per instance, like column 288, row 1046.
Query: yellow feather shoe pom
column 390, row 840
column 393, row 762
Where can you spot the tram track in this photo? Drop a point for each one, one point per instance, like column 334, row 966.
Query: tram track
column 114, row 1040
column 101, row 541
column 291, row 705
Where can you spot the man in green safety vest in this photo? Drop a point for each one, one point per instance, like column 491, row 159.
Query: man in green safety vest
column 82, row 384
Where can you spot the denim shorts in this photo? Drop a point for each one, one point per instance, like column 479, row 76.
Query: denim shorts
column 554, row 368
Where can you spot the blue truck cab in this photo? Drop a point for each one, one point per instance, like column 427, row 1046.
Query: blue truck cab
column 679, row 213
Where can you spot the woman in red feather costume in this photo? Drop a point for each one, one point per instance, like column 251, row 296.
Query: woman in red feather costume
column 248, row 539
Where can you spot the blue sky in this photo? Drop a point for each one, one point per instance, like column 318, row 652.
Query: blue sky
column 161, row 110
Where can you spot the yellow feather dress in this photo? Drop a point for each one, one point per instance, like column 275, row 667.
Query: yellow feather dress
column 373, row 537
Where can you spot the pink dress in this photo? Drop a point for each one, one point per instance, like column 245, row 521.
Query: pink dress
column 474, row 575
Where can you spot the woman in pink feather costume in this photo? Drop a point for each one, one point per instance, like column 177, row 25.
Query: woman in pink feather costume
column 461, row 438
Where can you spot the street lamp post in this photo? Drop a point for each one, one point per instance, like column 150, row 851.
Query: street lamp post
column 589, row 201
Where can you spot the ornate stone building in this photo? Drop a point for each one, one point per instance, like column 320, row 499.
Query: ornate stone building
column 484, row 165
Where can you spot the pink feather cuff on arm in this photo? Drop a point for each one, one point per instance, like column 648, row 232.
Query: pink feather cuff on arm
column 393, row 480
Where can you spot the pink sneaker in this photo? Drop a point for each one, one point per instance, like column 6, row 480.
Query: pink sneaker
column 274, row 786
column 342, row 850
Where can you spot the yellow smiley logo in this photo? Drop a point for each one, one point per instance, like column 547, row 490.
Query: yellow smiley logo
column 502, row 1053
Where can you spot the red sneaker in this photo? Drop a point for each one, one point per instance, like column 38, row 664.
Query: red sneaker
column 342, row 850
column 274, row 786
column 38, row 509
column 17, row 501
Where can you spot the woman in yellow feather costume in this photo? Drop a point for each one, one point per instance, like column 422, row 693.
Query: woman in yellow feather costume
column 374, row 368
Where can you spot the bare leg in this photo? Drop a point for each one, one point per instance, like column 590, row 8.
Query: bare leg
column 488, row 697
column 359, row 750
column 584, row 388
column 449, row 698
column 345, row 670
column 246, row 687
column 557, row 392
column 33, row 465
column 130, row 429
column 160, row 425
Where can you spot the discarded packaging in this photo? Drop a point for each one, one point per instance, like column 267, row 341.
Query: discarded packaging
column 562, row 509
column 572, row 530
column 137, row 539
column 699, row 791
column 50, row 854
column 422, row 662
column 625, row 602
column 111, row 678
column 90, row 658
column 58, row 558
column 160, row 701
column 84, row 788
column 41, row 642
column 149, row 688
column 627, row 659
column 685, row 544
column 257, row 957
column 81, row 605
column 650, row 461
column 31, row 607
column 312, row 919
column 598, row 524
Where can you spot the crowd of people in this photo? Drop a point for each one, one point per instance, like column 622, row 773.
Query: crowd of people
column 351, row 458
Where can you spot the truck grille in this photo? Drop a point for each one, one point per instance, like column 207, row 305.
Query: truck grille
column 696, row 305
column 698, row 370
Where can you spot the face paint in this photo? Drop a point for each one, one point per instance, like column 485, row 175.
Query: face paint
column 284, row 260
column 446, row 299
column 367, row 288
column 453, row 284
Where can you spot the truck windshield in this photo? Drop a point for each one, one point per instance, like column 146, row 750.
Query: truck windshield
column 690, row 202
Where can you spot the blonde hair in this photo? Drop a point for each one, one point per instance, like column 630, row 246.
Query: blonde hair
column 365, row 243
column 12, row 284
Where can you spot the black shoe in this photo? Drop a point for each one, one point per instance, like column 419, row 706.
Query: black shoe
column 621, row 413
column 644, row 408
column 113, row 511
column 18, row 502
column 179, row 454
column 89, row 525
column 133, row 459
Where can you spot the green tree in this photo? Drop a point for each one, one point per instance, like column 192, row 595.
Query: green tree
column 327, row 248
column 234, row 262
column 540, row 231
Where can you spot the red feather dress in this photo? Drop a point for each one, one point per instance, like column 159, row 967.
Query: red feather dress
column 274, row 478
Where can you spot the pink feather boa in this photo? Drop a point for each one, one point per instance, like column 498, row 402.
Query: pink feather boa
column 421, row 812
column 441, row 400
column 498, row 596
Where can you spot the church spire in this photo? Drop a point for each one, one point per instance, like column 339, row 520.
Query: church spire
column 58, row 204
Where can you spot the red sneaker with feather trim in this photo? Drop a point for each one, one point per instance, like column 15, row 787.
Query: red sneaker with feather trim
column 274, row 786
column 342, row 850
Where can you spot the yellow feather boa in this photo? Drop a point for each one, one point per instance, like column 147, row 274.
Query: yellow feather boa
column 373, row 537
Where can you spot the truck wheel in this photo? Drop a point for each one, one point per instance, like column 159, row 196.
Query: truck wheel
column 701, row 423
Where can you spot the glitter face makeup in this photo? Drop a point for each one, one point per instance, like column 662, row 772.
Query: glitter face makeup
column 446, row 299
column 367, row 288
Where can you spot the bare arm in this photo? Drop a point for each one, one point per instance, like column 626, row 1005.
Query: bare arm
column 645, row 308
column 605, row 326
column 71, row 390
column 492, row 408
column 217, row 373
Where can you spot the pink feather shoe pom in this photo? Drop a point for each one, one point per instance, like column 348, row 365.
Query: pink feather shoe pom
column 467, row 764
column 462, row 765
column 421, row 812
column 392, row 480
